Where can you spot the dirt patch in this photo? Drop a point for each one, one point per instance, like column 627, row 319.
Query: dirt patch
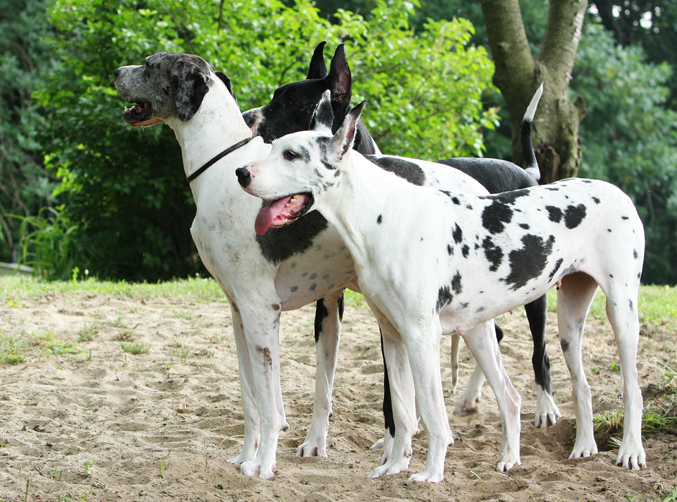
column 86, row 420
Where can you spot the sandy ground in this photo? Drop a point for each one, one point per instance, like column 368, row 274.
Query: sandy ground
column 102, row 425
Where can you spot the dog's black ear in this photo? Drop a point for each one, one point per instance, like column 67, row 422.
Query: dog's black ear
column 224, row 78
column 342, row 141
column 192, row 87
column 339, row 82
column 318, row 69
column 323, row 116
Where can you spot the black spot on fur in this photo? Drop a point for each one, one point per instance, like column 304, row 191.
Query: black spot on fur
column 624, row 218
column 444, row 298
column 495, row 215
column 379, row 220
column 279, row 244
column 450, row 250
column 456, row 283
column 457, row 234
column 321, row 313
column 528, row 262
column 564, row 344
column 493, row 253
column 574, row 215
column 465, row 250
column 632, row 306
column 524, row 226
column 596, row 200
column 555, row 213
column 634, row 254
column 402, row 168
column 554, row 270
column 456, row 201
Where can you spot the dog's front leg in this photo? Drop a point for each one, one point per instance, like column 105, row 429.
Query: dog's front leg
column 261, row 326
column 481, row 340
column 328, row 315
column 252, row 425
column 402, row 423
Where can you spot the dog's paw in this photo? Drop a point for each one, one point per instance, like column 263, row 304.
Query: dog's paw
column 378, row 445
column 467, row 403
column 631, row 458
column 430, row 476
column 505, row 466
column 241, row 458
column 310, row 449
column 254, row 469
column 391, row 467
column 584, row 451
column 547, row 412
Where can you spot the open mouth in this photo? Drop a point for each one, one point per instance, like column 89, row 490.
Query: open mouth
column 283, row 211
column 140, row 115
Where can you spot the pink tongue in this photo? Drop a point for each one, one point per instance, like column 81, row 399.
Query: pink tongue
column 268, row 214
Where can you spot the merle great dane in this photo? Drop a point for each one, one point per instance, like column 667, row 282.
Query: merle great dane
column 291, row 109
column 261, row 275
column 407, row 242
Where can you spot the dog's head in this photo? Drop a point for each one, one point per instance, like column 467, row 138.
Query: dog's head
column 293, row 104
column 302, row 168
column 169, row 85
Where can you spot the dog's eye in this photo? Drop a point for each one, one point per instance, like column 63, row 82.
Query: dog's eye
column 290, row 155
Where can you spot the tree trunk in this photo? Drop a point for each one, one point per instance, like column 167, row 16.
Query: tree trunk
column 518, row 74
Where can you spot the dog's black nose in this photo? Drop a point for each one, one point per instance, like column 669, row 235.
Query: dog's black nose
column 243, row 176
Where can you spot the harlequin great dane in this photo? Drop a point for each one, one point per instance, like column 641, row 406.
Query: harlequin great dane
column 261, row 275
column 436, row 262
column 291, row 109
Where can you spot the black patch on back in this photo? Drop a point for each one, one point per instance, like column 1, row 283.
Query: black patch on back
column 528, row 262
column 279, row 244
column 495, row 215
column 402, row 168
column 493, row 253
column 555, row 213
column 457, row 234
column 574, row 215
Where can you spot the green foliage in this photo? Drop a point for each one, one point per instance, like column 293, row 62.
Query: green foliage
column 121, row 187
column 11, row 349
column 24, row 184
column 630, row 139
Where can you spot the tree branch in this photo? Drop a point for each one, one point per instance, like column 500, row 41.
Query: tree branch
column 565, row 27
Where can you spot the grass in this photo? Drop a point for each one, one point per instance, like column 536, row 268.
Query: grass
column 135, row 348
column 14, row 289
column 657, row 305
column 11, row 348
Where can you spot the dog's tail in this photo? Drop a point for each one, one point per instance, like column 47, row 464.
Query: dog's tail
column 527, row 147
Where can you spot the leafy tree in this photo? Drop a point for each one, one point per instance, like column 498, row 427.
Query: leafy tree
column 630, row 138
column 125, row 210
column 25, row 187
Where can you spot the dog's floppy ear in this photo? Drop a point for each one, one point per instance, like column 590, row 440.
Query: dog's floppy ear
column 343, row 140
column 339, row 82
column 318, row 69
column 224, row 78
column 192, row 87
column 323, row 116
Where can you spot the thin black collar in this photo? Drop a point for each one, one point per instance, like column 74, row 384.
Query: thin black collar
column 215, row 159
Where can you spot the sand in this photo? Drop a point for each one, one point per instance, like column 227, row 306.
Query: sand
column 101, row 424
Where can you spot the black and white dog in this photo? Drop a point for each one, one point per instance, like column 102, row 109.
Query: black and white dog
column 262, row 275
column 435, row 262
column 291, row 109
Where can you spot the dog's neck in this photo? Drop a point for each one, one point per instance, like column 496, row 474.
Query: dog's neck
column 353, row 208
column 217, row 125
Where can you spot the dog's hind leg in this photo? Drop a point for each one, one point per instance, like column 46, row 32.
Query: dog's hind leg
column 574, row 298
column 621, row 308
column 328, row 315
column 547, row 412
column 455, row 350
column 252, row 425
column 481, row 340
